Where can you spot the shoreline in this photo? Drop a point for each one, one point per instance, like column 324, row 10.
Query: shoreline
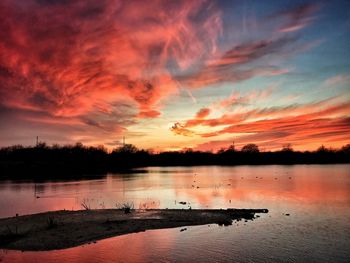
column 65, row 229
column 29, row 174
column 74, row 160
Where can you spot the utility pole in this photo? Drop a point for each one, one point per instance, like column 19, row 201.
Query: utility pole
column 123, row 140
column 37, row 140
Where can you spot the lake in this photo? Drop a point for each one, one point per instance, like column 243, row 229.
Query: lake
column 316, row 197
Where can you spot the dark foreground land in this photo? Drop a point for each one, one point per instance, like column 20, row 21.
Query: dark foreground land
column 43, row 162
column 65, row 229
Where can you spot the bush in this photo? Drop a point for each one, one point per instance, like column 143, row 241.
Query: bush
column 126, row 207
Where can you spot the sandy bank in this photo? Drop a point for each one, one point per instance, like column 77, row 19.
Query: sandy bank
column 64, row 229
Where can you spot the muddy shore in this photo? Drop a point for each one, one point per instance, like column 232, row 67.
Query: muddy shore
column 65, row 229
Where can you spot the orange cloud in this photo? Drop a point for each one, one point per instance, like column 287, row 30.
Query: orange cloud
column 67, row 57
column 308, row 124
column 202, row 113
column 94, row 68
column 180, row 129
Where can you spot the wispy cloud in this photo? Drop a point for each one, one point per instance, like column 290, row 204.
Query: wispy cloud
column 232, row 65
column 297, row 123
column 236, row 98
column 95, row 68
column 340, row 79
column 65, row 57
column 296, row 18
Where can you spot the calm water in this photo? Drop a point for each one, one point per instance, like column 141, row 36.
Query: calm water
column 317, row 197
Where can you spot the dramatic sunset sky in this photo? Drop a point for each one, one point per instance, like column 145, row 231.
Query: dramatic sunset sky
column 174, row 74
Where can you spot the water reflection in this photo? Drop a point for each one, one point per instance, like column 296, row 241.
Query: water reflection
column 317, row 197
column 214, row 187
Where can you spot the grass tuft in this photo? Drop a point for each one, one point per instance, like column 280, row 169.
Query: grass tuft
column 126, row 207
column 51, row 222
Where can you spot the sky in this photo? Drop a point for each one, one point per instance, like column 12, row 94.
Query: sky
column 170, row 75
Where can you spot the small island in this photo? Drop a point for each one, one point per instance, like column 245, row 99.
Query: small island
column 65, row 229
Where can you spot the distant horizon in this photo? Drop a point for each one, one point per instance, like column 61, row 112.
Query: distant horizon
column 225, row 148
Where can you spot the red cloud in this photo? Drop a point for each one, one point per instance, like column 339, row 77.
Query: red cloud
column 67, row 57
column 273, row 135
column 202, row 113
column 149, row 114
column 103, row 64
column 64, row 57
column 323, row 121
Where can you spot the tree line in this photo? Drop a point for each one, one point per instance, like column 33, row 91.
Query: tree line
column 68, row 160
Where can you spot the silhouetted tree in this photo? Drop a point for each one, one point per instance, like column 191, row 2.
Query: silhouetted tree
column 345, row 148
column 221, row 151
column 102, row 148
column 43, row 160
column 79, row 145
column 250, row 148
column 231, row 148
column 42, row 145
column 15, row 147
column 287, row 148
column 187, row 150
column 322, row 149
column 126, row 148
